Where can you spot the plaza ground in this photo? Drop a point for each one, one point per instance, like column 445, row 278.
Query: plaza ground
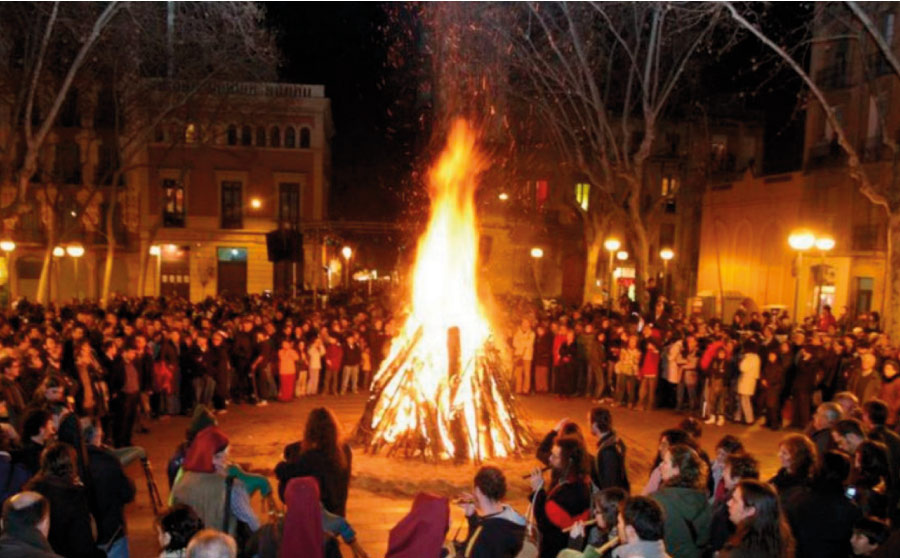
column 382, row 488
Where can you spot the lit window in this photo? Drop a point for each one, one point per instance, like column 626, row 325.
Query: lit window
column 190, row 133
column 669, row 186
column 173, row 203
column 541, row 193
column 583, row 195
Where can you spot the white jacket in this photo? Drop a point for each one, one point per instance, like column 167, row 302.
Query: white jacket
column 523, row 344
column 749, row 366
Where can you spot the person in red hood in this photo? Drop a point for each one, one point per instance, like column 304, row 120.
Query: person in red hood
column 421, row 533
column 204, row 484
column 307, row 521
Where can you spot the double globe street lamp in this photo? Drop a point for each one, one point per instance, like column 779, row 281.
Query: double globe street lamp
column 801, row 241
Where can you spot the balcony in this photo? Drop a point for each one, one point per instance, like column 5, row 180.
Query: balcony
column 833, row 76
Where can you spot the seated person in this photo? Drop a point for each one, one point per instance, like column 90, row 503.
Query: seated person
column 868, row 534
column 602, row 539
column 307, row 524
column 210, row 543
column 496, row 530
column 175, row 527
column 26, row 523
column 640, row 526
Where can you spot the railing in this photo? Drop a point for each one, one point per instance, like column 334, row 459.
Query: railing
column 250, row 89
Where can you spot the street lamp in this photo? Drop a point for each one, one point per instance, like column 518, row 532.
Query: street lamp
column 611, row 245
column 622, row 255
column 823, row 244
column 7, row 245
column 255, row 203
column 800, row 241
column 347, row 252
column 75, row 251
column 537, row 253
column 665, row 255
column 503, row 196
column 59, row 251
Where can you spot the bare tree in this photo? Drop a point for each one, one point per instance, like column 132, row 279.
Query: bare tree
column 599, row 76
column 881, row 188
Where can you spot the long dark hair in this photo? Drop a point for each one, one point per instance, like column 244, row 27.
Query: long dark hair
column 323, row 433
column 873, row 465
column 766, row 532
column 692, row 471
column 574, row 457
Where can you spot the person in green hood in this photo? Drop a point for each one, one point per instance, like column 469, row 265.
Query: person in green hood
column 683, row 499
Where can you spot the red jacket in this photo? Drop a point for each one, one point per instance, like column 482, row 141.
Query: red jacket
column 334, row 354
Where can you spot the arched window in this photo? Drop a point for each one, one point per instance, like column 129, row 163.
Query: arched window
column 260, row 136
column 231, row 138
column 246, row 135
column 275, row 137
column 290, row 137
column 304, row 138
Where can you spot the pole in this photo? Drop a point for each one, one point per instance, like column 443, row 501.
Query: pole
column 611, row 279
column 799, row 261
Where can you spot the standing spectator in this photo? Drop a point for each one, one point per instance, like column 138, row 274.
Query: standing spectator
column 773, row 375
column 315, row 354
column 716, row 391
column 543, row 359
column 287, row 369
column 806, row 372
column 334, row 355
column 351, row 359
column 523, row 354
column 38, row 431
column 746, row 387
column 649, row 372
column 626, row 372
column 124, row 384
column 890, row 390
column 70, row 532
column 567, row 366
column 865, row 382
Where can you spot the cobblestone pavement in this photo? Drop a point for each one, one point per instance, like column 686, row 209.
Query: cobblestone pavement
column 382, row 488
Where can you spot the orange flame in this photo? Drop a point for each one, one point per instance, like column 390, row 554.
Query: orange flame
column 419, row 400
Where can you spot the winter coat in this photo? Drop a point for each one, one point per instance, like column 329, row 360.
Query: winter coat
column 543, row 350
column 25, row 542
column 608, row 468
column 749, row 374
column 822, row 521
column 495, row 536
column 566, row 503
column 70, row 517
column 334, row 483
column 687, row 520
column 112, row 489
column 890, row 394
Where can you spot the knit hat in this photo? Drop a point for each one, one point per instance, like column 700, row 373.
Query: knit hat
column 202, row 418
column 205, row 446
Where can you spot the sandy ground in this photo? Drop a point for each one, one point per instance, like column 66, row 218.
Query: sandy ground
column 382, row 488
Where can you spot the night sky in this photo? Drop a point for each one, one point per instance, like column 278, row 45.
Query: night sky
column 345, row 46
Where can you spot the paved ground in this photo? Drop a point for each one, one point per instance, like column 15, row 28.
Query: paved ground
column 382, row 489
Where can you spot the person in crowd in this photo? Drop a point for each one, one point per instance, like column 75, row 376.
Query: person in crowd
column 38, row 430
column 220, row 500
column 683, row 499
column 421, row 533
column 819, row 431
column 689, row 369
column 352, row 356
column 799, row 464
column 523, row 355
column 14, row 474
column 111, row 491
column 315, row 354
column 567, row 499
column 870, row 485
column 322, row 454
column 649, row 374
column 667, row 439
column 875, row 415
column 626, row 372
column 175, row 527
column 890, row 390
column 806, row 371
column 848, row 434
column 543, row 358
column 761, row 529
column 287, row 369
column 567, row 370
column 210, row 543
column 334, row 356
column 821, row 516
column 717, row 373
column 726, row 446
column 865, row 381
column 738, row 466
column 496, row 530
column 869, row 533
column 773, row 381
column 641, row 525
column 311, row 530
column 26, row 524
column 600, row 541
column 608, row 468
column 70, row 533
column 746, row 387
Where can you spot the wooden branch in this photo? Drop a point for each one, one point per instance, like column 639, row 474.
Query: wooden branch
column 42, row 53
column 876, row 35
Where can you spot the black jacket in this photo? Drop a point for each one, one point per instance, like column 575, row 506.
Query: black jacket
column 334, row 482
column 112, row 489
column 25, row 543
column 822, row 521
column 495, row 536
column 608, row 469
column 70, row 517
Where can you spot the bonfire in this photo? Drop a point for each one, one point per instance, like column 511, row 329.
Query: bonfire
column 443, row 392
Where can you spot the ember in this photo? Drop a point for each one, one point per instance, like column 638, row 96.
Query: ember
column 443, row 391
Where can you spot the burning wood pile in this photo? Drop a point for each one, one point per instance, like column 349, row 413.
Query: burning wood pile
column 443, row 391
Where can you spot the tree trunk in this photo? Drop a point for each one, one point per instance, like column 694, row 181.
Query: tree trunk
column 641, row 254
column 892, row 290
column 593, row 245
column 110, row 242
column 44, row 280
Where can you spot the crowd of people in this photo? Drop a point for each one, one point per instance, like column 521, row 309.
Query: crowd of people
column 77, row 381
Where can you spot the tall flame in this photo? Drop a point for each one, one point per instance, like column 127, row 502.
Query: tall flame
column 442, row 391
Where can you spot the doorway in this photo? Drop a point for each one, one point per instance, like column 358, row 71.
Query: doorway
column 175, row 271
column 232, row 271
